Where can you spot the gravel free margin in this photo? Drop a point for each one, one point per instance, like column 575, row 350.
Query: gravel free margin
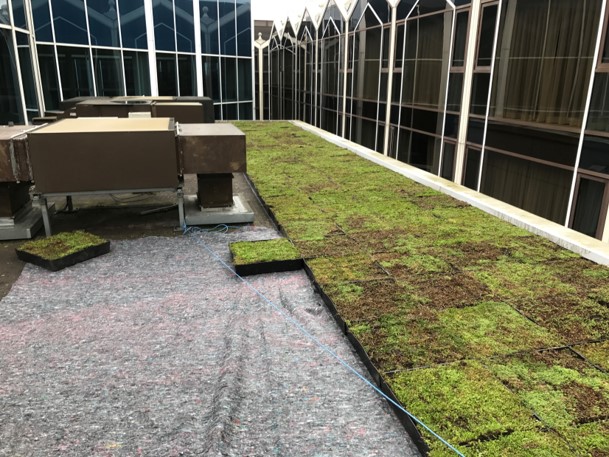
column 156, row 349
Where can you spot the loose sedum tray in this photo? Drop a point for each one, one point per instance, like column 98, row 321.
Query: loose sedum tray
column 268, row 256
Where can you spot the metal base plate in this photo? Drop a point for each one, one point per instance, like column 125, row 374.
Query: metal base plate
column 24, row 225
column 239, row 213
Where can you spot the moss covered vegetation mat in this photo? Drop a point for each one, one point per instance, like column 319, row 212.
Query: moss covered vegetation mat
column 63, row 249
column 266, row 256
column 494, row 337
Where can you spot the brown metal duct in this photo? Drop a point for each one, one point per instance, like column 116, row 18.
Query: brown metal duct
column 104, row 154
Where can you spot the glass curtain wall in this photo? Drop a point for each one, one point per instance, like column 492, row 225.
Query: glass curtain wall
column 332, row 43
column 305, row 70
column 100, row 47
column 364, row 77
column 418, row 110
column 289, row 70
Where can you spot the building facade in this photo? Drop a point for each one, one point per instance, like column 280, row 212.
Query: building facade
column 507, row 97
column 52, row 50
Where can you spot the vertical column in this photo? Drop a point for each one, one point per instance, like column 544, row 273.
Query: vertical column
column 468, row 76
column 316, row 76
column 92, row 62
column 17, row 65
column 154, row 82
column 392, row 37
column 29, row 16
column 260, row 48
column 345, row 78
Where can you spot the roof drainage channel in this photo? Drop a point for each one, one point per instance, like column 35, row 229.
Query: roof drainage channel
column 588, row 247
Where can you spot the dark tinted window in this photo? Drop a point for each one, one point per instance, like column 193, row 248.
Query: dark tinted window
column 228, row 33
column 164, row 33
column 209, row 27
column 42, row 20
column 185, row 26
column 103, row 22
column 70, row 22
column 133, row 23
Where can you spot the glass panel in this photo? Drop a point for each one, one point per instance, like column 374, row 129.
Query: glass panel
column 245, row 111
column 455, row 92
column 594, row 154
column 4, row 13
column 50, row 83
column 534, row 187
column 209, row 27
column 18, row 14
column 487, row 36
column 245, row 79
column 228, row 33
column 27, row 74
column 244, row 29
column 598, row 118
column 70, row 22
column 588, row 206
column 133, row 23
column 75, row 71
column 230, row 111
column 229, row 80
column 605, row 56
column 448, row 162
column 108, row 72
column 10, row 110
column 166, row 74
column 103, row 22
column 164, row 33
column 137, row 76
column 211, row 77
column 42, row 20
column 544, row 61
column 186, row 66
column 184, row 25
column 472, row 168
column 460, row 39
column 480, row 87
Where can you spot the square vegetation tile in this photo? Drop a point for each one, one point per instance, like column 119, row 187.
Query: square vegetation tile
column 516, row 444
column 563, row 390
column 592, row 439
column 361, row 267
column 490, row 328
column 63, row 249
column 267, row 256
column 596, row 353
column 462, row 402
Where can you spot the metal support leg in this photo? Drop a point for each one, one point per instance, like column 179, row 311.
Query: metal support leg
column 69, row 204
column 180, row 193
column 45, row 215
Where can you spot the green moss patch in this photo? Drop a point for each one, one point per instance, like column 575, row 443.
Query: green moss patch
column 592, row 439
column 596, row 353
column 462, row 402
column 562, row 389
column 425, row 281
column 251, row 252
column 61, row 245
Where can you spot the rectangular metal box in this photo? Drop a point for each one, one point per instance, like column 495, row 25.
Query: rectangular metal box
column 182, row 112
column 104, row 154
column 215, row 190
column 211, row 148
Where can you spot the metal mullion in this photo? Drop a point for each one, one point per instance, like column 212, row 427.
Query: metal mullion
column 59, row 88
column 490, row 88
column 450, row 59
column 34, row 59
column 570, row 205
column 17, row 63
column 120, row 42
column 92, row 63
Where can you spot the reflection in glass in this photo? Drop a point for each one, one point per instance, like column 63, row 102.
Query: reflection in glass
column 460, row 39
column 244, row 30
column 133, row 23
column 103, row 22
column 75, row 71
column 70, row 22
column 185, row 28
column 108, row 72
column 50, row 82
column 209, row 27
column 188, row 79
column 480, row 87
column 598, row 118
column 487, row 36
column 10, row 110
column 27, row 75
column 228, row 31
column 245, row 79
column 164, row 34
column 18, row 14
column 137, row 76
column 42, row 20
column 167, row 74
column 589, row 206
column 5, row 17
column 544, row 60
column 211, row 77
column 534, row 187
column 229, row 79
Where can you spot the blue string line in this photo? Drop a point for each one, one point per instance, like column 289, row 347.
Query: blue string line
column 310, row 336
